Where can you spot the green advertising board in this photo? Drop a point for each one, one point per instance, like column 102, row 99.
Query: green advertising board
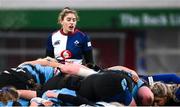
column 145, row 19
column 92, row 19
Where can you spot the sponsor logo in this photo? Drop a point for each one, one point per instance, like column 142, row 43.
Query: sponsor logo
column 66, row 54
column 57, row 42
column 89, row 44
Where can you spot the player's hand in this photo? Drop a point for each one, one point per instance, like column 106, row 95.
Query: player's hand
column 135, row 78
column 51, row 94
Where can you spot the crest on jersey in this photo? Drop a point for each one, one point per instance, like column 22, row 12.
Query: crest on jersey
column 66, row 54
column 76, row 43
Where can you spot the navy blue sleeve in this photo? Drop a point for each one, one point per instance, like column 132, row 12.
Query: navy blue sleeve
column 87, row 43
column 87, row 50
column 49, row 47
column 88, row 56
column 166, row 78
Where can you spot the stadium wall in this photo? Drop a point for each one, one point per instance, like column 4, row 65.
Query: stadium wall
column 118, row 21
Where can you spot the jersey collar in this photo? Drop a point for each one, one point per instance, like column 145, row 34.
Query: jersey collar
column 68, row 34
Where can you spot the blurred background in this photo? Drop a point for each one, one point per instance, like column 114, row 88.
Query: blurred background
column 143, row 35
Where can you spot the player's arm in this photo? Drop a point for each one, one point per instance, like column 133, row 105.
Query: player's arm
column 76, row 69
column 122, row 68
column 48, row 61
column 37, row 101
column 69, row 68
column 167, row 78
column 27, row 94
column 134, row 76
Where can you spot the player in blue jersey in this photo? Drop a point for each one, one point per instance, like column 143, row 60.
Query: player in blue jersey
column 30, row 74
column 69, row 44
column 165, row 87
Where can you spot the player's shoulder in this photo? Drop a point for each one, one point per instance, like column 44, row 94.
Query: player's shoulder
column 55, row 32
column 79, row 32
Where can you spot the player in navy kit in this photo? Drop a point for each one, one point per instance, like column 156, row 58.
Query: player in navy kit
column 165, row 88
column 69, row 44
column 169, row 78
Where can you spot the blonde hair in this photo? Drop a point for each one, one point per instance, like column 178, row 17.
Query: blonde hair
column 66, row 11
column 7, row 94
column 160, row 89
